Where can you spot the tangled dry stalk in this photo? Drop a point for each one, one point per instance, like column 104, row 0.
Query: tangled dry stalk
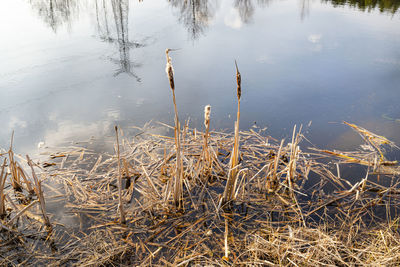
column 295, row 224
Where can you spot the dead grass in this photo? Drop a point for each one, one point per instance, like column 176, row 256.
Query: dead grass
column 293, row 225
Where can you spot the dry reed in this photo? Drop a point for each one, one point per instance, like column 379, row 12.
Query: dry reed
column 292, row 225
column 233, row 171
column 121, row 209
column 206, row 154
column 374, row 140
column 3, row 177
column 39, row 194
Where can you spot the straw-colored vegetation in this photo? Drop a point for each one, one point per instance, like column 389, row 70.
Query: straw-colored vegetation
column 202, row 198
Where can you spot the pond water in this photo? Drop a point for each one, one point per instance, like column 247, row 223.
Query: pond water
column 73, row 69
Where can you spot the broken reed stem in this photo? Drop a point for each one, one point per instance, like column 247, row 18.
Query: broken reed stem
column 207, row 111
column 28, row 184
column 226, row 247
column 178, row 183
column 291, row 172
column 3, row 177
column 39, row 193
column 233, row 171
column 292, row 163
column 372, row 139
column 121, row 204
column 21, row 212
column 15, row 181
column 273, row 180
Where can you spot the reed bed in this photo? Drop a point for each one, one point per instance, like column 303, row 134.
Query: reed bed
column 211, row 198
column 294, row 224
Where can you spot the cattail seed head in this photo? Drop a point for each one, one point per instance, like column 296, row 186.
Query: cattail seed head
column 239, row 87
column 239, row 82
column 207, row 111
column 169, row 70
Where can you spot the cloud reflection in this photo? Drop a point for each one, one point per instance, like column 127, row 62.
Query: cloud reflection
column 16, row 123
column 232, row 19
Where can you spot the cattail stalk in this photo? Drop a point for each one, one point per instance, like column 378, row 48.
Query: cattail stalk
column 121, row 204
column 207, row 111
column 233, row 171
column 178, row 183
column 39, row 193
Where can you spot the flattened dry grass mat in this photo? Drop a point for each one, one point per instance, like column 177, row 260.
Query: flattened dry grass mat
column 288, row 206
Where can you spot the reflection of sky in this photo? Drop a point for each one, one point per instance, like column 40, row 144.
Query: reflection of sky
column 332, row 65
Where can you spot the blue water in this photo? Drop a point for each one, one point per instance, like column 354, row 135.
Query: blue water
column 71, row 70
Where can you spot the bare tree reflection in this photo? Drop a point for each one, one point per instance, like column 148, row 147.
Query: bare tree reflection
column 120, row 17
column 55, row 13
column 246, row 8
column 195, row 15
column 304, row 9
column 391, row 6
column 102, row 21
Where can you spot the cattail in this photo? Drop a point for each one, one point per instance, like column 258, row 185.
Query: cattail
column 207, row 111
column 178, row 183
column 233, row 172
column 238, row 82
column 170, row 70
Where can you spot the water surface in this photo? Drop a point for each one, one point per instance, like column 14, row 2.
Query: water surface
column 73, row 69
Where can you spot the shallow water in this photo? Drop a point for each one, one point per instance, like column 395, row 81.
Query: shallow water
column 71, row 70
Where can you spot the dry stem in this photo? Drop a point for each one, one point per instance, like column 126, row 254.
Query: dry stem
column 39, row 193
column 121, row 204
column 178, row 182
column 233, row 171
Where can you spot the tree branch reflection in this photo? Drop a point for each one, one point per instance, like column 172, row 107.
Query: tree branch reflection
column 195, row 15
column 55, row 13
column 116, row 12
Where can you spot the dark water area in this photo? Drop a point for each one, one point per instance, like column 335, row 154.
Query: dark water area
column 71, row 70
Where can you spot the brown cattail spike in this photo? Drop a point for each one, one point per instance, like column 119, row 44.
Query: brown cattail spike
column 169, row 70
column 207, row 111
column 238, row 81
